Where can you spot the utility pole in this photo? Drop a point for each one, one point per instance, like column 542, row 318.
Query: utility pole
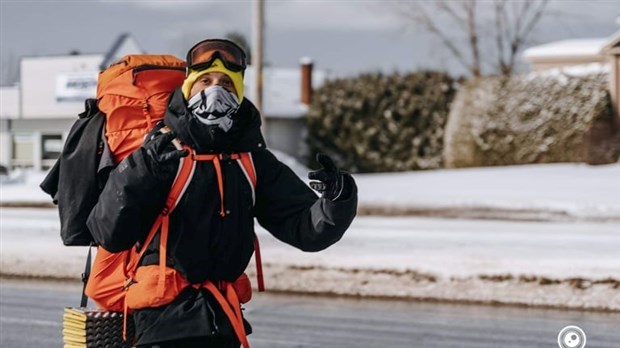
column 258, row 11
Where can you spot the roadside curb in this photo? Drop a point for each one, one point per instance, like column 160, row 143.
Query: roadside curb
column 27, row 205
column 483, row 213
column 524, row 291
column 445, row 212
column 600, row 295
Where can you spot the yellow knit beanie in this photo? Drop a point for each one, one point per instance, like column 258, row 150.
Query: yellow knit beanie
column 217, row 66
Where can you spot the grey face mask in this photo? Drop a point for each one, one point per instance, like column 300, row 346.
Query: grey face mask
column 214, row 106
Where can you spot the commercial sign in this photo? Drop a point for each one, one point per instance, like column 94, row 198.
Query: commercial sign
column 75, row 87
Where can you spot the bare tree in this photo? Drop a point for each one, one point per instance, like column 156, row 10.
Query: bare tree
column 511, row 27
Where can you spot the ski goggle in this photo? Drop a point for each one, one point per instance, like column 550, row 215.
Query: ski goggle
column 204, row 53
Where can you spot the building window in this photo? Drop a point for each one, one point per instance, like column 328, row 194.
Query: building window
column 23, row 150
column 51, row 146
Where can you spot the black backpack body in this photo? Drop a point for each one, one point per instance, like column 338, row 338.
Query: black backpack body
column 78, row 176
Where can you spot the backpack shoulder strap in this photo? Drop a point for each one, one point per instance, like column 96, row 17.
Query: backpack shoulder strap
column 187, row 167
column 247, row 167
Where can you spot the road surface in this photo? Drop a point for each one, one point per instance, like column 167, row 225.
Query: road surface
column 30, row 316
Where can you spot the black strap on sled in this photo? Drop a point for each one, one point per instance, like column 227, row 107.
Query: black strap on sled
column 85, row 276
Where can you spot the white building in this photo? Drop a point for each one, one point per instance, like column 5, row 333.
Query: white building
column 37, row 113
column 565, row 53
column 582, row 56
column 286, row 95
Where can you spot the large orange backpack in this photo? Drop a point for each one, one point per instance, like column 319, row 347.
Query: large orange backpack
column 131, row 98
column 133, row 94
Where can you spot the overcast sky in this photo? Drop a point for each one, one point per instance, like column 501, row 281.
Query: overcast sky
column 344, row 37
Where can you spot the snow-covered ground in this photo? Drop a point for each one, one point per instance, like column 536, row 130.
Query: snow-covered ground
column 568, row 255
column 559, row 192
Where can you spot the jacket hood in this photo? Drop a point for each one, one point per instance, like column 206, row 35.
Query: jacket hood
column 244, row 136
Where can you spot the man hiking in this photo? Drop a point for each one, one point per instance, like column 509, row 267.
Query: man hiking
column 209, row 237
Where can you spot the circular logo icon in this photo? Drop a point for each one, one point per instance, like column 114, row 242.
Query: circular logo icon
column 572, row 337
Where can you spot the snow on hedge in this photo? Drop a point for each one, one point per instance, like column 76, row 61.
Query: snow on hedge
column 538, row 118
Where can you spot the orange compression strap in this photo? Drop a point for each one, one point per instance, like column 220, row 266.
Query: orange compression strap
column 135, row 256
column 231, row 308
column 218, row 174
column 163, row 249
column 125, row 311
column 259, row 264
column 247, row 165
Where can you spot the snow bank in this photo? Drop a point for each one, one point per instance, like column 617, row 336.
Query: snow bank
column 564, row 191
column 573, row 265
column 526, row 192
column 22, row 187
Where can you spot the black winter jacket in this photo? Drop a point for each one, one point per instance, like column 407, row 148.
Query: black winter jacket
column 203, row 245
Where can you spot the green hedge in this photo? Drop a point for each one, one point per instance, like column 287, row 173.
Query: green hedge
column 525, row 119
column 382, row 123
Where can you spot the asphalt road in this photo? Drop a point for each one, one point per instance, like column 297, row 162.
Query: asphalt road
column 30, row 316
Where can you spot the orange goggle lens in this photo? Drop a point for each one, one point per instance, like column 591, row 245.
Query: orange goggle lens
column 204, row 53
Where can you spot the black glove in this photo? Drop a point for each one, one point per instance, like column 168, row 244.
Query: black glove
column 161, row 154
column 330, row 180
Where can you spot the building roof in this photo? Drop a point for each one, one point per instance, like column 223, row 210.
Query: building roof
column 124, row 44
column 566, row 48
column 281, row 86
column 282, row 90
column 613, row 44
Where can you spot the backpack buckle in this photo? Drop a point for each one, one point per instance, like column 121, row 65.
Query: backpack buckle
column 129, row 283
